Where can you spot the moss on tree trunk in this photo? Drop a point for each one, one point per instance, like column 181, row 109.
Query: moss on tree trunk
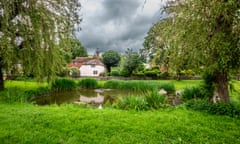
column 221, row 83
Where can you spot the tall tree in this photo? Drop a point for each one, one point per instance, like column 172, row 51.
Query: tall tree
column 206, row 33
column 72, row 48
column 110, row 59
column 30, row 31
column 132, row 61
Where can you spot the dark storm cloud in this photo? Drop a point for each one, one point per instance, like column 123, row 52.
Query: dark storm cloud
column 117, row 24
column 120, row 9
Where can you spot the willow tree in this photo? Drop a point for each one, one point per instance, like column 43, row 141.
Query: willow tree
column 30, row 32
column 207, row 33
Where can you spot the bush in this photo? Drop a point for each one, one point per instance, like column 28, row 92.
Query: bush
column 229, row 109
column 115, row 73
column 24, row 78
column 125, row 73
column 74, row 72
column 88, row 83
column 152, row 73
column 63, row 84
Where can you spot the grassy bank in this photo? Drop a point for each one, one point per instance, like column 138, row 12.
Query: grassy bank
column 23, row 123
column 70, row 124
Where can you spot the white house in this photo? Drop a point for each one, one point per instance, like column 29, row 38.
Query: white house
column 92, row 68
column 88, row 67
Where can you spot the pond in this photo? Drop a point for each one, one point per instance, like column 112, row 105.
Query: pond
column 67, row 97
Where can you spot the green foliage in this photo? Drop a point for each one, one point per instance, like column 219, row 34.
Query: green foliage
column 208, row 83
column 21, row 92
column 229, row 109
column 72, row 49
column 110, row 59
column 30, row 31
column 202, row 34
column 64, row 72
column 25, row 78
column 115, row 73
column 125, row 72
column 130, row 102
column 88, row 83
column 132, row 62
column 64, row 84
column 187, row 72
column 75, row 72
column 146, row 101
column 191, row 93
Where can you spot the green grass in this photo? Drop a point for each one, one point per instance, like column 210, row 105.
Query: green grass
column 72, row 124
column 25, row 85
column 140, row 85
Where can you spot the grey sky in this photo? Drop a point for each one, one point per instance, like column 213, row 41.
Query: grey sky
column 117, row 24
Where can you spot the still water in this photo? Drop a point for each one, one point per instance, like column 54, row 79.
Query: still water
column 67, row 97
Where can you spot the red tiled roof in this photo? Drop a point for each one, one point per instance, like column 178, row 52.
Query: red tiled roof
column 79, row 61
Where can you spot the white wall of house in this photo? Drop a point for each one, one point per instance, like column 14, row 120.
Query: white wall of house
column 91, row 70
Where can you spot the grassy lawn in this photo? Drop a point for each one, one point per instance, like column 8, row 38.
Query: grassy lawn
column 70, row 124
column 24, row 123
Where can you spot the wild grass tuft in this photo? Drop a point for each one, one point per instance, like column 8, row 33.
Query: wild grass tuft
column 146, row 101
column 63, row 84
column 154, row 100
column 88, row 83
column 139, row 86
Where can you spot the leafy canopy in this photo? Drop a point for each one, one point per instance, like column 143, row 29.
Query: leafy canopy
column 110, row 59
column 30, row 32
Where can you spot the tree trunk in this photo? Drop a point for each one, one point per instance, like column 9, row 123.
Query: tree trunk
column 108, row 69
column 221, row 82
column 1, row 76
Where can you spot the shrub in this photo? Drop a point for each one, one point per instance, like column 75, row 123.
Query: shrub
column 152, row 73
column 164, row 75
column 125, row 73
column 115, row 73
column 88, row 83
column 63, row 84
column 229, row 109
column 74, row 72
column 24, row 78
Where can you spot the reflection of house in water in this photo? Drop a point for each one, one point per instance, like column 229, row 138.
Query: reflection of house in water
column 88, row 66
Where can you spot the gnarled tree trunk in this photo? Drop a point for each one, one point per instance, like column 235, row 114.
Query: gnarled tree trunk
column 221, row 82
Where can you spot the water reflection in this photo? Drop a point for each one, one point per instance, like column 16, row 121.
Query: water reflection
column 74, row 95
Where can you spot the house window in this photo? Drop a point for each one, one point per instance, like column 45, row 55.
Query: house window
column 95, row 72
column 93, row 65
